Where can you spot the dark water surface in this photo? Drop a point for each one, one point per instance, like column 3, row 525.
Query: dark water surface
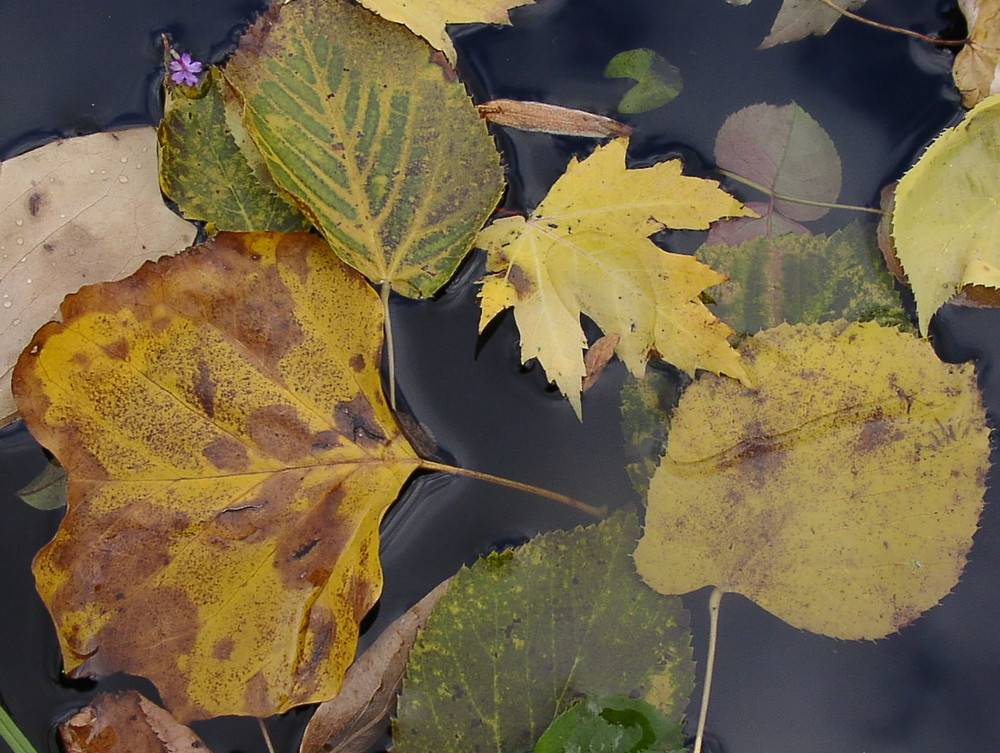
column 75, row 68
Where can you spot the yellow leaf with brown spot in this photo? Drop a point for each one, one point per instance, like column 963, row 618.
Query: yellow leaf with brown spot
column 230, row 456
column 586, row 249
column 841, row 494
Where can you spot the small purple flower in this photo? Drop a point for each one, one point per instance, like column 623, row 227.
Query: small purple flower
column 184, row 70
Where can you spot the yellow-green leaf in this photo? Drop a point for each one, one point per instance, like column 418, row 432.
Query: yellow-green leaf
column 428, row 18
column 230, row 456
column 204, row 171
column 586, row 249
column 841, row 494
column 379, row 144
column 946, row 220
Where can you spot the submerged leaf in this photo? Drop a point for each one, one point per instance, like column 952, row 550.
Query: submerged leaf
column 798, row 19
column 657, row 80
column 204, row 171
column 47, row 491
column 586, row 249
column 524, row 634
column 74, row 212
column 841, row 494
column 786, row 152
column 613, row 724
column 230, row 456
column 380, row 146
column 126, row 723
column 945, row 223
column 803, row 279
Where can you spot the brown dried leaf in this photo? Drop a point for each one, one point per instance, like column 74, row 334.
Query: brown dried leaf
column 546, row 118
column 597, row 358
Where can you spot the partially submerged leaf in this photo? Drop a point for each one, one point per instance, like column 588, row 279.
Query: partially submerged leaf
column 429, row 19
column 613, row 724
column 946, row 224
column 784, row 151
column 803, row 279
column 646, row 409
column 586, row 249
column 524, row 634
column 230, row 456
column 545, row 118
column 657, row 80
column 47, row 491
column 841, row 494
column 350, row 722
column 74, row 212
column 798, row 19
column 126, row 723
column 380, row 146
column 978, row 62
column 204, row 171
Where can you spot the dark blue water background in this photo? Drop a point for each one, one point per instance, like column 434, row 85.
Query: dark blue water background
column 69, row 68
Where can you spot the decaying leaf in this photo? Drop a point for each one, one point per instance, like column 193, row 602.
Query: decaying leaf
column 597, row 357
column 380, row 146
column 657, row 81
column 546, row 118
column 978, row 62
column 803, row 279
column 204, row 171
column 350, row 722
column 126, row 723
column 798, row 19
column 525, row 633
column 787, row 154
column 841, row 494
column 586, row 249
column 74, row 212
column 946, row 224
column 230, row 456
column 429, row 19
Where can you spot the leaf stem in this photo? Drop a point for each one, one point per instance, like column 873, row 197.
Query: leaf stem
column 12, row 735
column 897, row 29
column 430, row 465
column 385, row 290
column 774, row 195
column 713, row 634
column 267, row 737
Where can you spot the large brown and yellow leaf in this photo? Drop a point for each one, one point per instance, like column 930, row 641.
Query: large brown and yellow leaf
column 841, row 494
column 230, row 457
column 379, row 144
column 586, row 249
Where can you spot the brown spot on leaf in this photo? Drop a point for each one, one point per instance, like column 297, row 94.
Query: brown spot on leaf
column 35, row 203
column 256, row 698
column 438, row 58
column 118, row 349
column 223, row 648
column 280, row 432
column 520, row 282
column 357, row 422
column 226, row 453
column 357, row 362
column 204, row 390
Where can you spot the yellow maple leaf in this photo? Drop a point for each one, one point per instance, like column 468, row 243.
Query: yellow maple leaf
column 428, row 18
column 586, row 249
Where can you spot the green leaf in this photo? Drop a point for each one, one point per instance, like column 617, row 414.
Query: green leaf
column 47, row 491
column 613, row 724
column 945, row 223
column 645, row 409
column 374, row 137
column 204, row 171
column 524, row 634
column 841, row 493
column 803, row 279
column 657, row 81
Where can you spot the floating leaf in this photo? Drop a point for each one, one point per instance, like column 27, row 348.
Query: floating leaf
column 47, row 491
column 380, row 146
column 586, row 249
column 977, row 63
column 524, row 634
column 946, row 222
column 203, row 170
column 430, row 19
column 841, row 494
column 230, row 455
column 798, row 19
column 803, row 279
column 126, row 723
column 74, row 212
column 545, row 118
column 784, row 152
column 657, row 80
column 351, row 722
column 613, row 724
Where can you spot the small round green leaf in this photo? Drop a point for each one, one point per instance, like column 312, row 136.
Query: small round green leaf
column 657, row 81
column 613, row 724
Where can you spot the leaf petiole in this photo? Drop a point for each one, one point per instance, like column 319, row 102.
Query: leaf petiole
column 714, row 600
column 899, row 30
column 782, row 197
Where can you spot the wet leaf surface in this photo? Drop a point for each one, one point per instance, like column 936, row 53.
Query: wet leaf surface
column 74, row 212
column 798, row 19
column 230, row 455
column 841, row 499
